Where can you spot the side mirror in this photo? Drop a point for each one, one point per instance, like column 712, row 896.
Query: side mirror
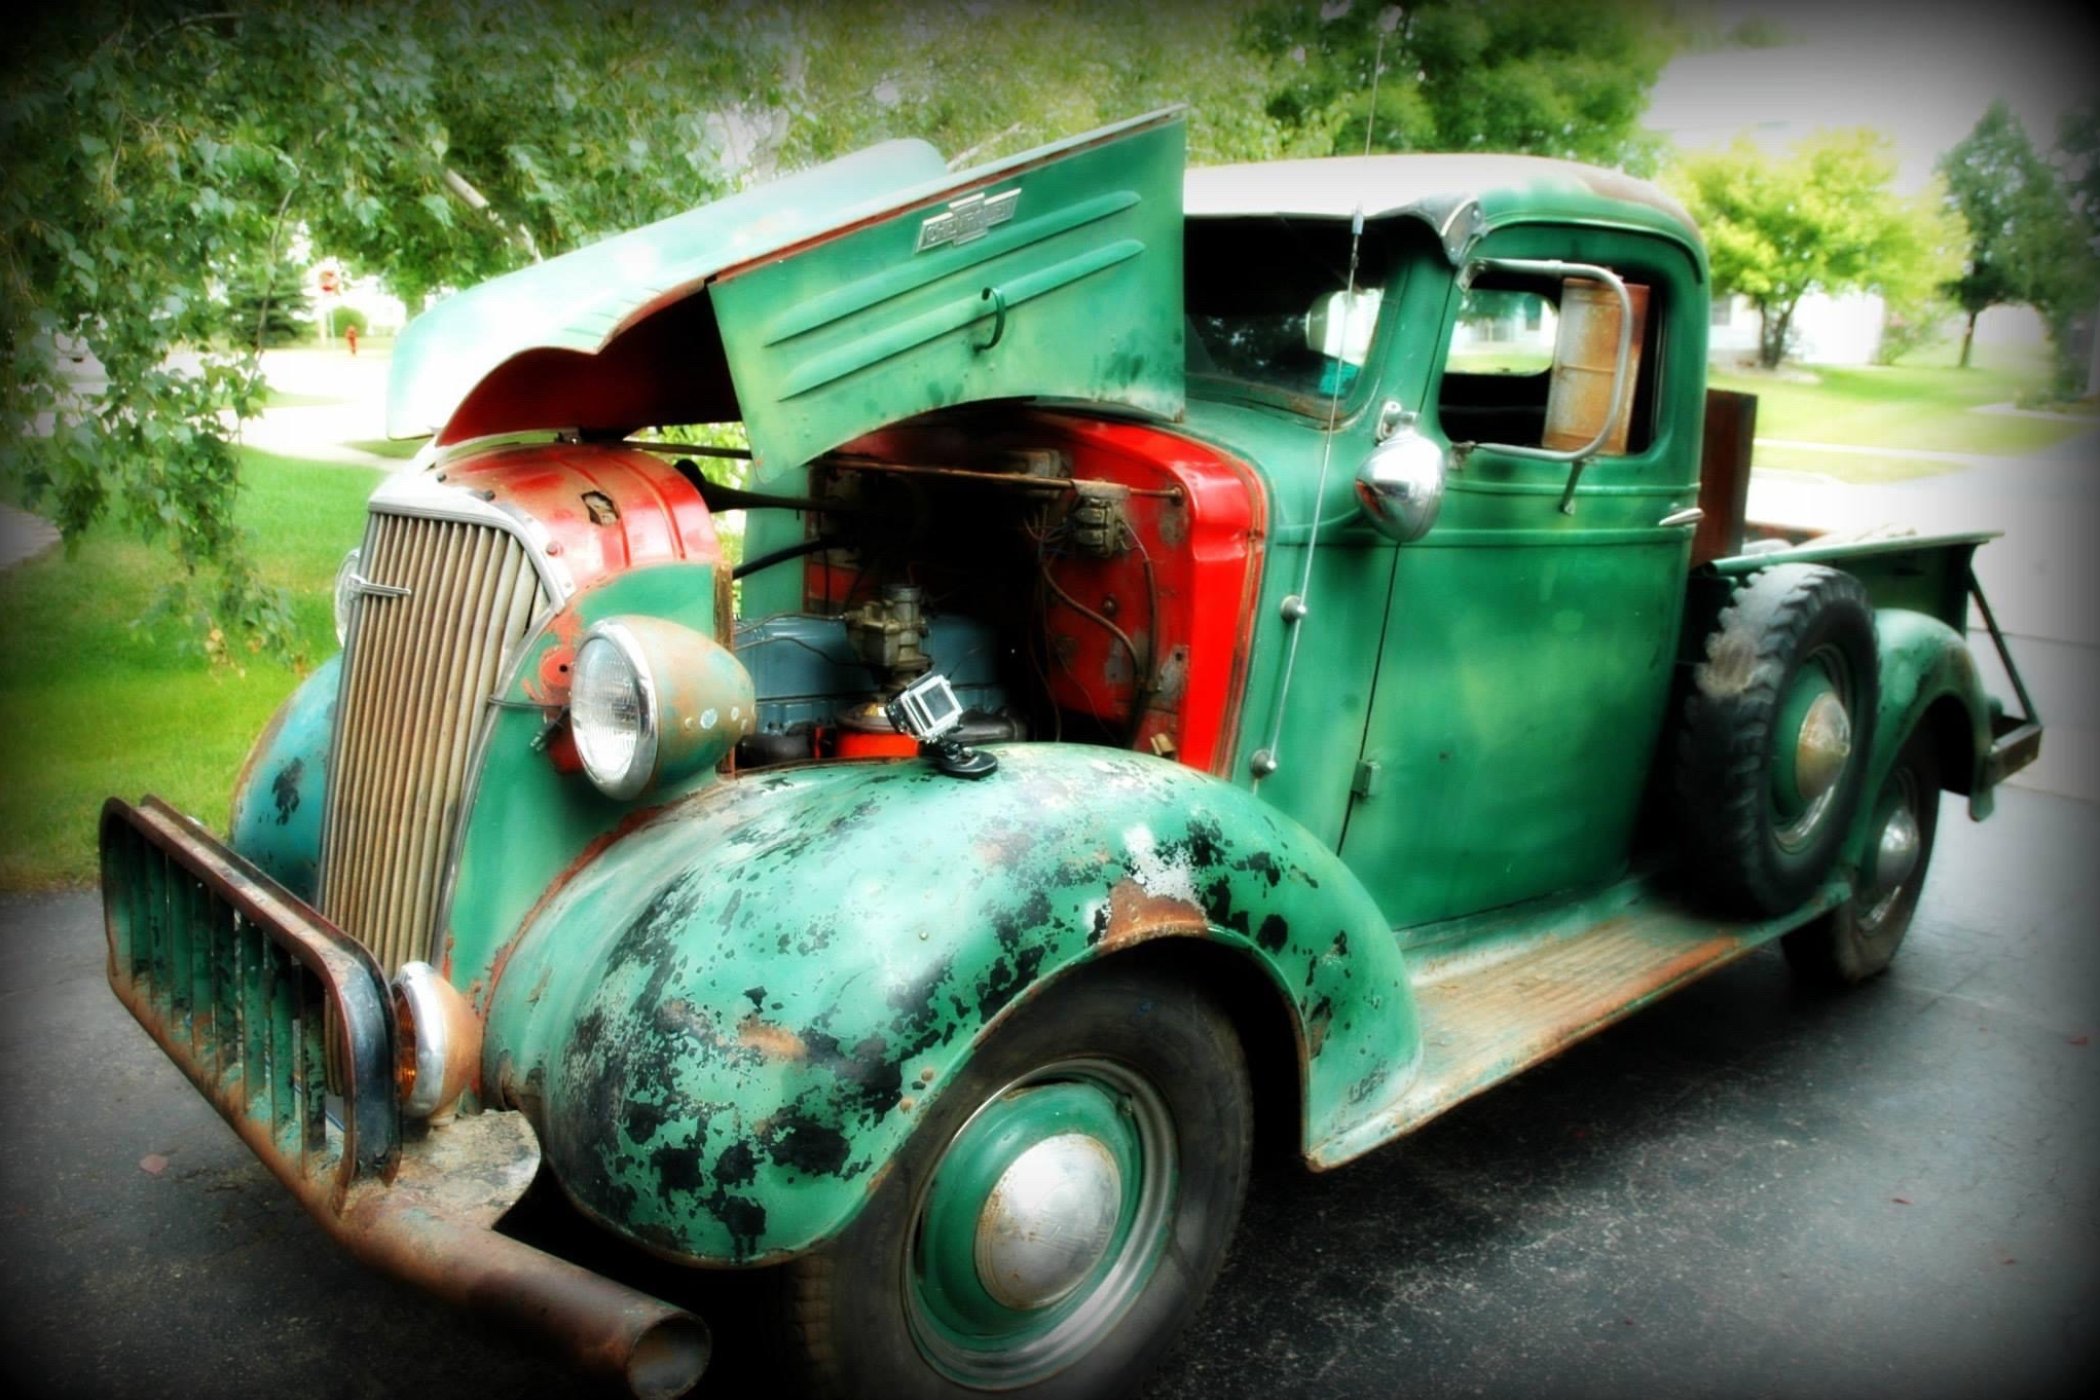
column 1400, row 485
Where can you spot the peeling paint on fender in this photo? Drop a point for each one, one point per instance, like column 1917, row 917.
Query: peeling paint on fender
column 747, row 983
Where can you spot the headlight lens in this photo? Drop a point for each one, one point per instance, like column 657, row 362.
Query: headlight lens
column 612, row 711
column 439, row 1042
column 653, row 702
column 346, row 595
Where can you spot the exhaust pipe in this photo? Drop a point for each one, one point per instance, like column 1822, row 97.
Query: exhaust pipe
column 658, row 1350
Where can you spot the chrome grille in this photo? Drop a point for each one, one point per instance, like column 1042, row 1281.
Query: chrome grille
column 417, row 679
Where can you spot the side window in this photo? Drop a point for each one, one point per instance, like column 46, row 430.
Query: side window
column 1531, row 365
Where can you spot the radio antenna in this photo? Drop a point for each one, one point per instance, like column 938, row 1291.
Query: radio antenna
column 1267, row 758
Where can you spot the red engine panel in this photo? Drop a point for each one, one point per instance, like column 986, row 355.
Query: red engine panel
column 1199, row 526
column 605, row 510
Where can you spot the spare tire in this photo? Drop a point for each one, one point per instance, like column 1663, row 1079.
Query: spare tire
column 1771, row 757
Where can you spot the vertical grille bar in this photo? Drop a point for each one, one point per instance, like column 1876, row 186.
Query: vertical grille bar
column 420, row 671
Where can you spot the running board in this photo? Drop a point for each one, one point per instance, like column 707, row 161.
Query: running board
column 1505, row 1002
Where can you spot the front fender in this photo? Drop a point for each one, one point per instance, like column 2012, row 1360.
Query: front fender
column 726, row 1026
column 280, row 793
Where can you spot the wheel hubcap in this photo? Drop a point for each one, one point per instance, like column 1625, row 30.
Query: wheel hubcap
column 1813, row 749
column 1896, row 854
column 1048, row 1221
column 1041, row 1224
column 1824, row 745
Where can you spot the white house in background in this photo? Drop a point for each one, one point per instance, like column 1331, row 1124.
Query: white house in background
column 1842, row 330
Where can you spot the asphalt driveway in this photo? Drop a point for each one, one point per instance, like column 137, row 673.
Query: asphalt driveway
column 1745, row 1191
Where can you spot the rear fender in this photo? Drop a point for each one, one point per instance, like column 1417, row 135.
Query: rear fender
column 726, row 1025
column 1928, row 675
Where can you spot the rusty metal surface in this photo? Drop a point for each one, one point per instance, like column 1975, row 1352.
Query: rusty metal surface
column 726, row 1023
column 1585, row 363
column 194, row 932
column 1497, row 1005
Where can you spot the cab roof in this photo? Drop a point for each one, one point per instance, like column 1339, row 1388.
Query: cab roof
column 1460, row 196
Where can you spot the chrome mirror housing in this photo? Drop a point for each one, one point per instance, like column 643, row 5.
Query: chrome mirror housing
column 1400, row 485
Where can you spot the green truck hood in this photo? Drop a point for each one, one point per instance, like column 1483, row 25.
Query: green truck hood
column 831, row 302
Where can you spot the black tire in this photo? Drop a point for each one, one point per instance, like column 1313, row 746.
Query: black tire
column 1790, row 627
column 1858, row 939
column 857, row 1310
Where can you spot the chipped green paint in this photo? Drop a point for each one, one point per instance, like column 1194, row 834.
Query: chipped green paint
column 282, row 790
column 841, row 302
column 724, row 1026
column 529, row 822
column 1928, row 675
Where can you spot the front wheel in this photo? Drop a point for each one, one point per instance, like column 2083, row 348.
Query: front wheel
column 1859, row 938
column 1058, row 1217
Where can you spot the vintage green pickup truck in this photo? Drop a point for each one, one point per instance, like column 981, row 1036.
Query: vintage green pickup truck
column 1271, row 645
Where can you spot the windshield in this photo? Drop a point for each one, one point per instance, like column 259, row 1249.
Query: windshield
column 1269, row 310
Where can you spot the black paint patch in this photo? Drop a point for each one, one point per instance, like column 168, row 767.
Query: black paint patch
column 744, row 1218
column 737, row 1164
column 1274, row 933
column 1263, row 864
column 876, row 1080
column 643, row 1119
column 284, row 789
column 677, row 1170
column 807, row 1146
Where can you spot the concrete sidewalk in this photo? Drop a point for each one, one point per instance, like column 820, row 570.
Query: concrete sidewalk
column 24, row 537
column 354, row 387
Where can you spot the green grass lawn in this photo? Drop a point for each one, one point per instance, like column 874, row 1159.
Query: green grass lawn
column 1925, row 405
column 93, row 706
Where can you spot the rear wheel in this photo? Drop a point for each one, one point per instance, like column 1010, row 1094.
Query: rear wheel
column 1058, row 1217
column 1772, row 757
column 1858, row 939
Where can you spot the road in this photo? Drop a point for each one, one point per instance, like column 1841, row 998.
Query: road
column 1744, row 1191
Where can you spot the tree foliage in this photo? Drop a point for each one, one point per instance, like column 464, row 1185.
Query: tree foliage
column 1536, row 76
column 2024, row 245
column 267, row 305
column 1823, row 218
column 161, row 152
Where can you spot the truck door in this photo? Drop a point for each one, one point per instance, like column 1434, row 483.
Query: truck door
column 1526, row 661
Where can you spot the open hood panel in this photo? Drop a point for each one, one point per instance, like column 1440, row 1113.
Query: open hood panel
column 832, row 302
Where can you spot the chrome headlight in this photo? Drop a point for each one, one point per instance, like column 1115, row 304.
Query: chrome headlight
column 651, row 702
column 346, row 595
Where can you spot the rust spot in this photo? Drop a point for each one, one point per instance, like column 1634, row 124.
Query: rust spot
column 1135, row 915
column 1317, row 1024
column 907, row 1104
column 774, row 1042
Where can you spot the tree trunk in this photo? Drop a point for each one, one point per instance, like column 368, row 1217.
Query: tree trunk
column 1771, row 334
column 1968, row 338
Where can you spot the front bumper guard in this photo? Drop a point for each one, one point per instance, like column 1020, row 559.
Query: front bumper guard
column 286, row 1025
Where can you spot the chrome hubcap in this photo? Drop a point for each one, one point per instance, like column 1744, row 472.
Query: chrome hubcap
column 1896, row 854
column 1825, row 742
column 1048, row 1221
column 1041, row 1224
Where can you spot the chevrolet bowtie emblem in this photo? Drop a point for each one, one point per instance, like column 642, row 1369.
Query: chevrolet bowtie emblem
column 967, row 218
